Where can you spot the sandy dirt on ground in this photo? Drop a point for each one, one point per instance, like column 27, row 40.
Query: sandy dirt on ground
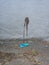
column 26, row 58
column 12, row 54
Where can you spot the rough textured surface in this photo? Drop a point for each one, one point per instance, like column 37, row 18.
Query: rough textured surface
column 37, row 53
column 26, row 58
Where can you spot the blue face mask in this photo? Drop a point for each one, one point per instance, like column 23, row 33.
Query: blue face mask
column 23, row 45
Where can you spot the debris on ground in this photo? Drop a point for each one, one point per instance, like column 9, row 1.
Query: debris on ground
column 29, row 55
